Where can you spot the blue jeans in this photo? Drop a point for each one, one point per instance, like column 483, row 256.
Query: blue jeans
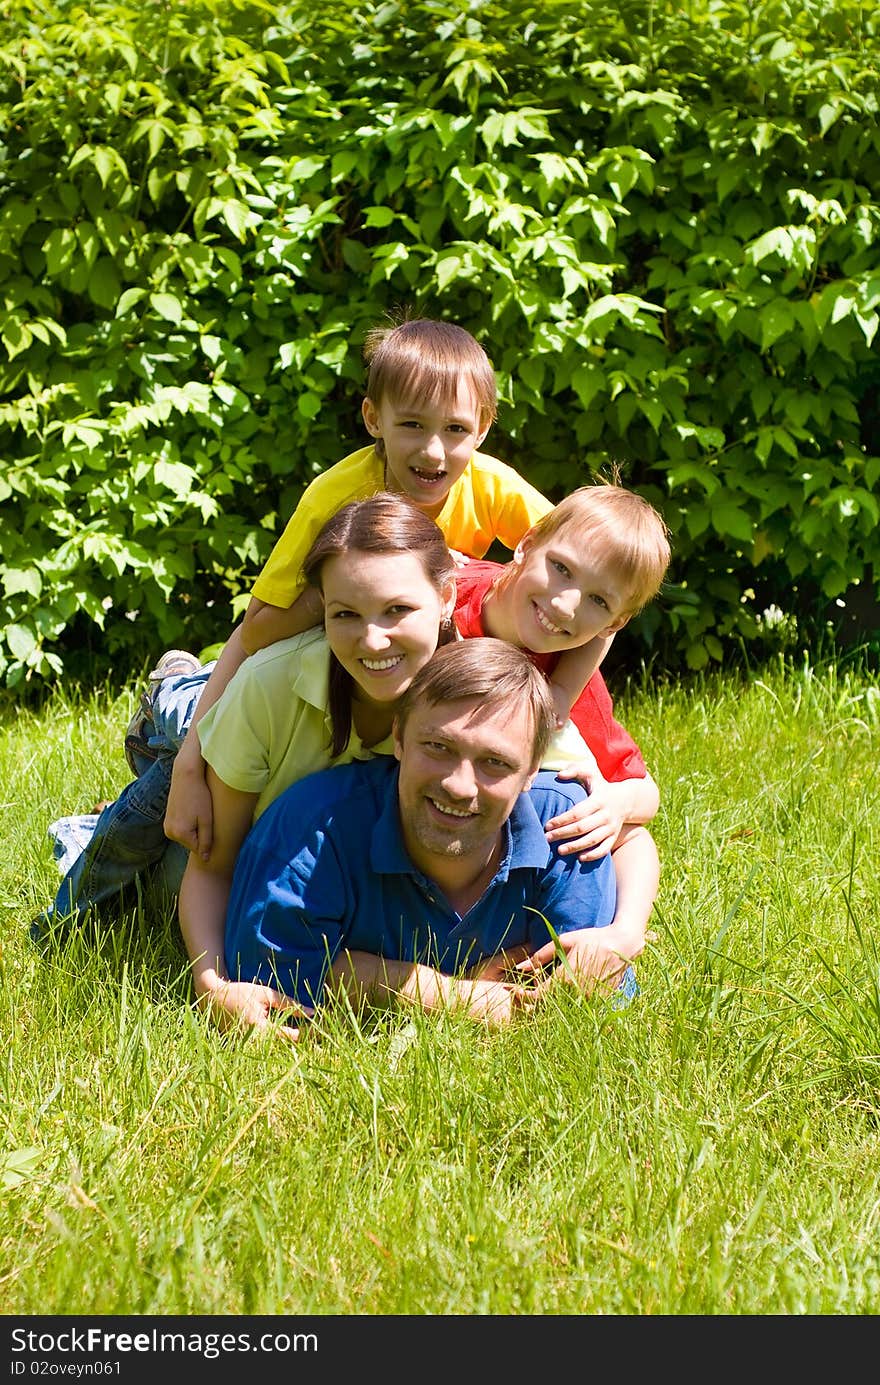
column 100, row 854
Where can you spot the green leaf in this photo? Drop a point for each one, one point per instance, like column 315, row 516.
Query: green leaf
column 128, row 299
column 586, row 381
column 104, row 283
column 17, row 1165
column 22, row 580
column 168, row 307
column 776, row 319
column 177, row 477
column 776, row 242
column 21, row 640
column 378, row 216
column 728, row 519
column 448, row 268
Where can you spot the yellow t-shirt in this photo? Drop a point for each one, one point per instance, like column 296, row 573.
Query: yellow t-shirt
column 488, row 501
column 271, row 726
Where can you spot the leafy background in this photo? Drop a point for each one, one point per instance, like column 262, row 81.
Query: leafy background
column 661, row 220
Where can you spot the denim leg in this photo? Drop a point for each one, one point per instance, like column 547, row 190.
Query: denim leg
column 128, row 837
column 174, row 704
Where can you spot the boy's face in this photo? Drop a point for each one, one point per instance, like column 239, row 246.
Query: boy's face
column 427, row 444
column 562, row 595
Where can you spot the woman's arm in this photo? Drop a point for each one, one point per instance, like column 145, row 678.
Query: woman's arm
column 204, row 896
column 264, row 624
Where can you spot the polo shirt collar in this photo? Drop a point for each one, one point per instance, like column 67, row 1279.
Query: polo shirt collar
column 310, row 681
column 525, row 846
column 310, row 671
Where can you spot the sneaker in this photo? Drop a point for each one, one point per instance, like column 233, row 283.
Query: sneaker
column 175, row 663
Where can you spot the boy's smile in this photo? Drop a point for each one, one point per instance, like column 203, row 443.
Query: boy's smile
column 427, row 443
column 555, row 597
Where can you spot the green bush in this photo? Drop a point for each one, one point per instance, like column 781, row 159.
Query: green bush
column 661, row 221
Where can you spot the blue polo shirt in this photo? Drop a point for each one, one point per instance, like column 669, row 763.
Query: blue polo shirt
column 325, row 867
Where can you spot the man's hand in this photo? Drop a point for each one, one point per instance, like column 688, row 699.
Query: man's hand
column 189, row 814
column 587, row 958
column 592, row 827
column 241, row 1005
column 491, row 1002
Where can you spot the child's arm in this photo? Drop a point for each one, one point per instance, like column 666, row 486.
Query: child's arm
column 595, row 826
column 574, row 671
column 599, row 955
column 264, row 624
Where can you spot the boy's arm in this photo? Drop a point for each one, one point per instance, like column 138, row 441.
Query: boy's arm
column 574, row 671
column 600, row 955
column 265, row 624
column 596, row 826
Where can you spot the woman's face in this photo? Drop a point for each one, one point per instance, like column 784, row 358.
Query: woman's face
column 382, row 615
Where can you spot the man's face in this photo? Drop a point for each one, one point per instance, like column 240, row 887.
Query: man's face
column 462, row 769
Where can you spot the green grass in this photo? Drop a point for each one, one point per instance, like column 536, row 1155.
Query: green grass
column 712, row 1150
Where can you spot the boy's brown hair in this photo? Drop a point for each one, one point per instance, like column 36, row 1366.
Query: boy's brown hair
column 631, row 534
column 426, row 359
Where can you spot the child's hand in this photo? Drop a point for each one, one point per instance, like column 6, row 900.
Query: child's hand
column 189, row 814
column 589, row 959
column 593, row 826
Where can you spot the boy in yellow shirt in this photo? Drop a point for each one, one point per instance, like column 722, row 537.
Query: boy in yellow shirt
column 431, row 399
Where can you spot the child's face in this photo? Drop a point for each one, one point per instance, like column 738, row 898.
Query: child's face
column 562, row 595
column 427, row 444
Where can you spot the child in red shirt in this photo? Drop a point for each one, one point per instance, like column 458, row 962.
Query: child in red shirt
column 582, row 572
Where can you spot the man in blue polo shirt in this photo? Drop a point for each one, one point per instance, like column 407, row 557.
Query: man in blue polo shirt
column 404, row 878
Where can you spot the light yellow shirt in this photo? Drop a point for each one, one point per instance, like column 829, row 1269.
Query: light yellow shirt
column 488, row 501
column 271, row 726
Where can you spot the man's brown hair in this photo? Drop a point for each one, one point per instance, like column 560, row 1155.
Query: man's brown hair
column 497, row 673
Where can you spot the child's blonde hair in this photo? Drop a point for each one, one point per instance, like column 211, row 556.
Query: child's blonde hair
column 631, row 535
column 424, row 359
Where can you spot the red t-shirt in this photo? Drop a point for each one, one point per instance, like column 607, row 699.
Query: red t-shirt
column 617, row 754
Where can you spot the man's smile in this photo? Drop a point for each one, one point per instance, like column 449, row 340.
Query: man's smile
column 447, row 811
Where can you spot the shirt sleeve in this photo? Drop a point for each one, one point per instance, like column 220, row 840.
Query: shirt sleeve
column 281, row 580
column 617, row 754
column 574, row 894
column 236, row 733
column 517, row 505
